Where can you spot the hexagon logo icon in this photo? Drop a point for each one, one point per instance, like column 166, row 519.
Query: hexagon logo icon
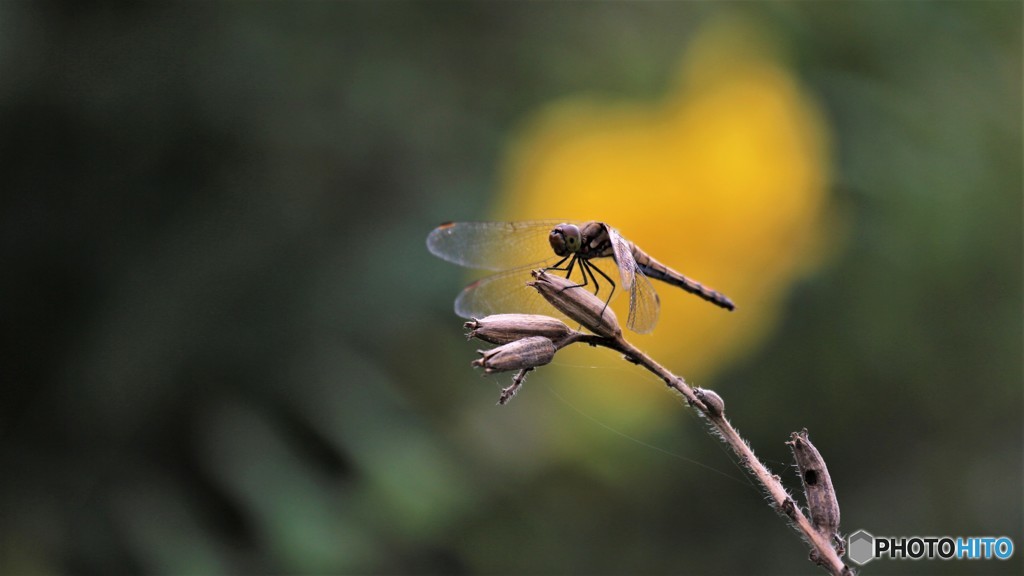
column 859, row 547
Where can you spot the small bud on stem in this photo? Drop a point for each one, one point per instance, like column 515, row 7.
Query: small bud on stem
column 822, row 504
column 714, row 402
column 505, row 328
column 577, row 303
column 525, row 353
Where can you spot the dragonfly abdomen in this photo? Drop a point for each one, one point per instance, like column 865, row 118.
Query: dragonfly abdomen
column 654, row 269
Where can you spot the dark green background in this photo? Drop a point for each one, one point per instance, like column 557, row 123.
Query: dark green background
column 226, row 350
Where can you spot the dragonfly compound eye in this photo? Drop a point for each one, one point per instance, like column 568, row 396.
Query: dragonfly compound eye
column 565, row 239
column 557, row 242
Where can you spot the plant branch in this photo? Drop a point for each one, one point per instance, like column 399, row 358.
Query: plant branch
column 822, row 550
column 527, row 342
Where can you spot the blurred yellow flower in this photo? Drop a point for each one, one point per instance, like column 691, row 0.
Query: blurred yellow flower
column 724, row 180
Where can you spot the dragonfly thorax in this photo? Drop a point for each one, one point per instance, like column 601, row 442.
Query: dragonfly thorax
column 565, row 239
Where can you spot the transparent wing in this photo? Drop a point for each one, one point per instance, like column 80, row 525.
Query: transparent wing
column 516, row 248
column 643, row 299
column 493, row 245
column 623, row 258
column 507, row 292
column 643, row 305
column 503, row 293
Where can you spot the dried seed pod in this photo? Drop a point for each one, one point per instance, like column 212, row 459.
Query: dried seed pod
column 526, row 353
column 505, row 328
column 822, row 504
column 577, row 303
column 711, row 399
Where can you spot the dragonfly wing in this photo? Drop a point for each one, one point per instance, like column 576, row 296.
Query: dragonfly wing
column 507, row 292
column 643, row 305
column 503, row 293
column 623, row 259
column 643, row 299
column 492, row 245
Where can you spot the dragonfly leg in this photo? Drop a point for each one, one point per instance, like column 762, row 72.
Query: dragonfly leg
column 588, row 275
column 588, row 267
column 568, row 270
column 558, row 265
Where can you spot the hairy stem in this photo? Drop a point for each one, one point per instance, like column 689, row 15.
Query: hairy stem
column 822, row 551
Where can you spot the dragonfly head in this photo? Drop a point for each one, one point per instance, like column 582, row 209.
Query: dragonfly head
column 565, row 239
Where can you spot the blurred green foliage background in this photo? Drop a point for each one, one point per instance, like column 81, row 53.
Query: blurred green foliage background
column 226, row 349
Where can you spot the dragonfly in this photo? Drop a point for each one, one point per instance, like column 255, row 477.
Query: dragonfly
column 513, row 249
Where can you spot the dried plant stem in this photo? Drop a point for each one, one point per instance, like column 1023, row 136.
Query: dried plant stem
column 528, row 341
column 822, row 551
